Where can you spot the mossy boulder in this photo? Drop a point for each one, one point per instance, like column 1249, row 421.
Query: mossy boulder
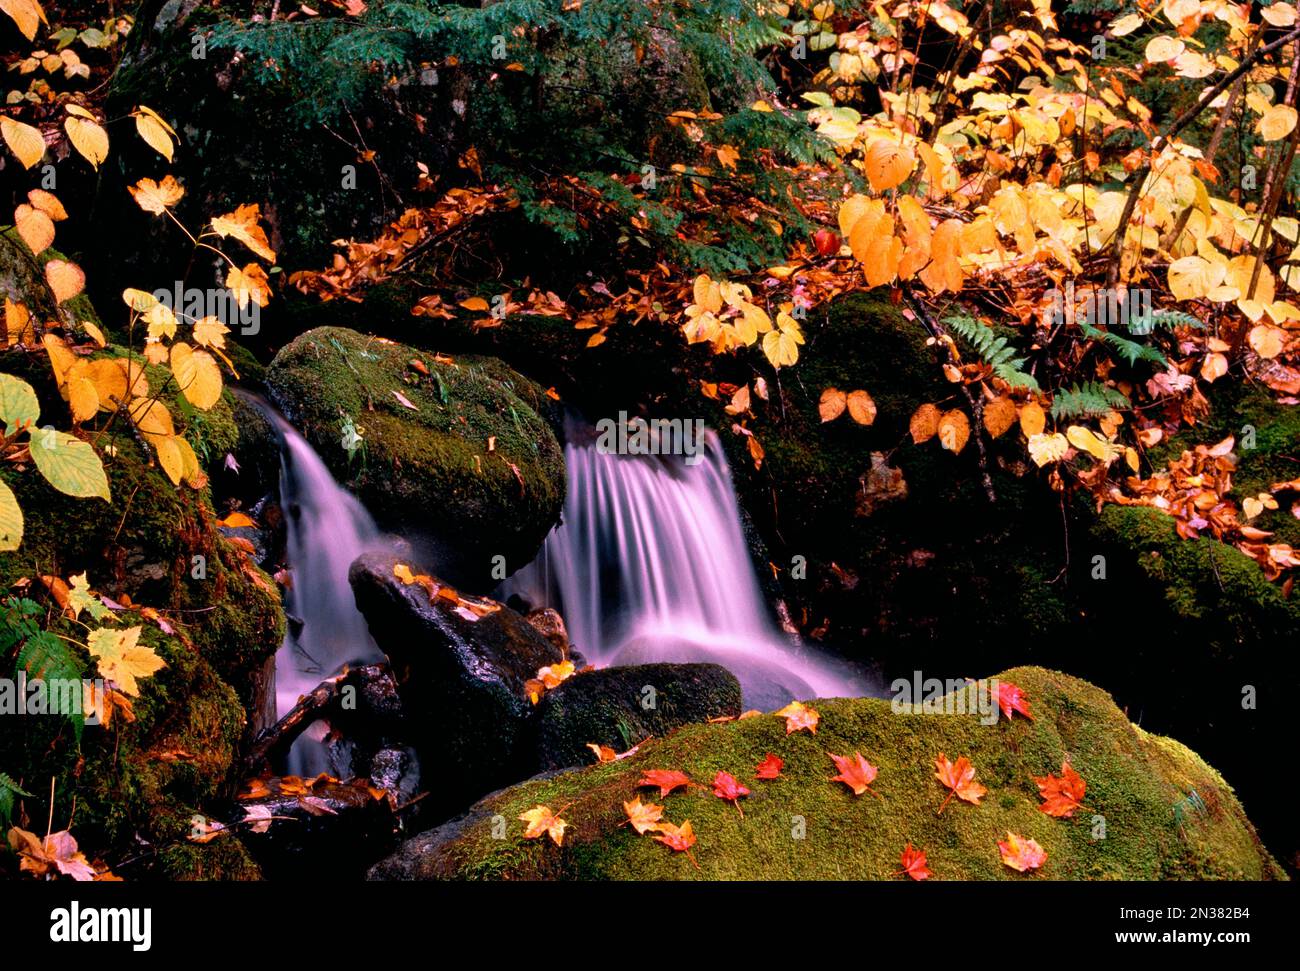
column 138, row 781
column 453, row 452
column 213, row 617
column 803, row 826
column 622, row 706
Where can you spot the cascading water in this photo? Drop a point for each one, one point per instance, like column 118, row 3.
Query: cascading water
column 326, row 529
column 650, row 564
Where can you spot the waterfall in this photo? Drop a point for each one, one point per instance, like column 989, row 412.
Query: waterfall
column 326, row 529
column 650, row 563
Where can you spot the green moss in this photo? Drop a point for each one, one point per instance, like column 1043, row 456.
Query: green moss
column 1135, row 781
column 1201, row 582
column 470, row 452
column 139, row 778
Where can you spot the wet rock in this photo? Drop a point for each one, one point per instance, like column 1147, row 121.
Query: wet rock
column 548, row 622
column 461, row 677
column 324, row 829
column 621, row 707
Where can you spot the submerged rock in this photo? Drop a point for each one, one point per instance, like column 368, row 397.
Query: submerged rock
column 462, row 679
column 451, row 452
column 623, row 706
column 1165, row 813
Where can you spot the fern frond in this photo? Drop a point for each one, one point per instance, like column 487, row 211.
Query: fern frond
column 1091, row 399
column 997, row 352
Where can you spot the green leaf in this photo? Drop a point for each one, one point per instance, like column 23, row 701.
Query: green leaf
column 18, row 404
column 70, row 464
column 11, row 520
column 9, row 789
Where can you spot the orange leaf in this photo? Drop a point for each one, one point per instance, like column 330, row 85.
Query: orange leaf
column 1021, row 854
column 666, row 780
column 855, row 772
column 1061, row 796
column 959, row 777
column 797, row 716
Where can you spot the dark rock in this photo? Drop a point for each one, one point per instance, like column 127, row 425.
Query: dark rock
column 331, row 829
column 462, row 680
column 548, row 622
column 622, row 706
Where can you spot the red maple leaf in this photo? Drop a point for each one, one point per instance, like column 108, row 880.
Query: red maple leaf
column 1062, row 796
column 913, row 861
column 726, row 787
column 665, row 779
column 855, row 772
column 1011, row 698
column 769, row 768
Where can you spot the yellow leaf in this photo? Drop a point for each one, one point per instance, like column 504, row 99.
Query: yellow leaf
column 250, row 283
column 924, row 423
column 1266, row 341
column 198, row 375
column 999, row 415
column 1032, row 419
column 18, row 324
column 151, row 416
column 26, row 142
column 156, row 197
column 1193, row 277
column 47, row 203
column 93, row 332
column 108, row 375
column 210, row 332
column 156, row 133
column 954, row 430
column 1163, row 48
column 242, row 225
column 1045, row 449
column 887, row 164
column 1214, row 367
column 1086, row 440
column 1277, row 122
column 831, row 405
column 65, row 279
column 27, row 14
column 35, row 227
column 476, row 304
column 169, row 456
column 121, row 659
column 862, row 408
column 61, row 359
column 11, row 520
column 87, row 138
column 79, row 390
column 161, row 322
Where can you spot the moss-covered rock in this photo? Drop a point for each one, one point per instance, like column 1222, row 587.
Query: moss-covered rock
column 622, row 706
column 451, row 449
column 1141, row 785
column 213, row 617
